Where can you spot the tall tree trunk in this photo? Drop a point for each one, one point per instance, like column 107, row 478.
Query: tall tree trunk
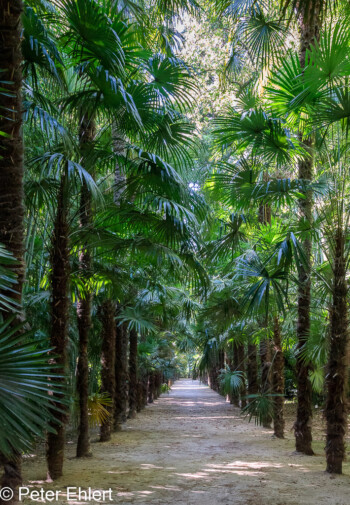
column 234, row 399
column 121, row 377
column 60, row 271
column 11, row 168
column 228, row 363
column 139, row 401
column 302, row 425
column 87, row 134
column 278, row 381
column 107, row 315
column 337, row 370
column 155, row 386
column 265, row 361
column 11, row 160
column 219, row 368
column 252, row 370
column 119, row 176
column 264, row 218
column 241, row 368
column 159, row 384
column 156, row 383
column 309, row 25
column 132, row 373
column 150, row 387
column 141, row 385
column 145, row 390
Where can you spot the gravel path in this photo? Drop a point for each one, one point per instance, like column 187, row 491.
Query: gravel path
column 191, row 447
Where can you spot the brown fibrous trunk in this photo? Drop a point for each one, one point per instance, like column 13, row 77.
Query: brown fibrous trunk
column 150, row 387
column 132, row 373
column 86, row 137
column 241, row 368
column 121, row 377
column 60, row 272
column 265, row 362
column 252, row 371
column 107, row 317
column 337, row 370
column 278, row 381
column 309, row 25
column 11, row 173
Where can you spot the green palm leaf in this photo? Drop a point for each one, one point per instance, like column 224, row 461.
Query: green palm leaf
column 26, row 378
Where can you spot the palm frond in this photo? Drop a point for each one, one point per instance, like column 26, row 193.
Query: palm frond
column 27, row 383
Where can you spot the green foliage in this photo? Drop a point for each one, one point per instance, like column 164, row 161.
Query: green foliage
column 27, row 387
column 165, row 388
column 8, row 281
column 231, row 382
column 197, row 129
column 259, row 407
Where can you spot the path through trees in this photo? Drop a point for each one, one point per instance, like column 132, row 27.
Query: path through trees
column 191, row 447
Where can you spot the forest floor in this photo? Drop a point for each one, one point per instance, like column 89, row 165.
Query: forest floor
column 191, row 447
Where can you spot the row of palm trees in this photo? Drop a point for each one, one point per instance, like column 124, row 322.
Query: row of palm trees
column 280, row 255
column 93, row 106
column 131, row 255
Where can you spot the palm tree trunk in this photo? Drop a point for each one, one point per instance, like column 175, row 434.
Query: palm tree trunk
column 107, row 315
column 309, row 25
column 228, row 363
column 11, row 168
column 119, row 176
column 220, row 366
column 278, row 381
column 157, row 383
column 132, row 373
column 11, row 160
column 87, row 134
column 252, row 370
column 235, row 395
column 241, row 368
column 155, row 386
column 139, row 400
column 121, row 377
column 145, row 390
column 264, row 218
column 265, row 361
column 302, row 425
column 142, row 387
column 60, row 271
column 337, row 372
column 150, row 387
column 84, row 326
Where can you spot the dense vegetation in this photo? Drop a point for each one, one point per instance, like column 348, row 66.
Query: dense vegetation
column 168, row 208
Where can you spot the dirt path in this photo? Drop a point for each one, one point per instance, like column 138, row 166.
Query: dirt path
column 191, row 447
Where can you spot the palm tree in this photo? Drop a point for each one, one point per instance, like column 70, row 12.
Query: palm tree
column 68, row 174
column 11, row 166
column 334, row 223
column 310, row 23
column 86, row 134
column 59, row 321
column 92, row 49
